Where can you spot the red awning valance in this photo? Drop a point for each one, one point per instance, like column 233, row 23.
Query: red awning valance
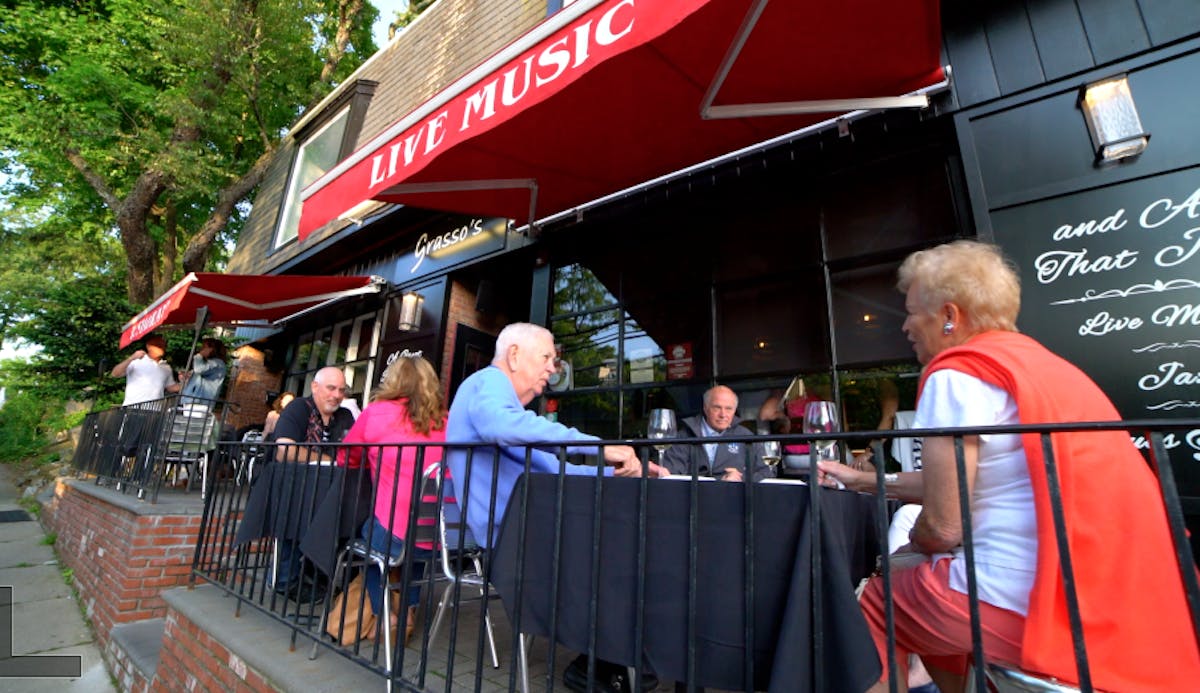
column 243, row 298
column 610, row 93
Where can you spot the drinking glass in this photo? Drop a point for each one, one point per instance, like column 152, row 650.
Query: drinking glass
column 821, row 417
column 661, row 427
column 772, row 453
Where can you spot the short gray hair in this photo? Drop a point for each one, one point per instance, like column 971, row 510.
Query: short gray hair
column 519, row 333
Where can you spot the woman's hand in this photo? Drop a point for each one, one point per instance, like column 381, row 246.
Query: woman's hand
column 830, row 473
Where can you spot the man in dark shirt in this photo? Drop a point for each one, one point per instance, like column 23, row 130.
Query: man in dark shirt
column 303, row 426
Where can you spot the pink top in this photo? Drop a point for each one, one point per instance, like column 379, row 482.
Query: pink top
column 386, row 423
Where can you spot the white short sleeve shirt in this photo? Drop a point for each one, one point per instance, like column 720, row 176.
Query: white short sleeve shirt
column 145, row 380
column 1002, row 511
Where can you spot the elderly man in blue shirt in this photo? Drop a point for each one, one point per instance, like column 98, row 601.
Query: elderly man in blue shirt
column 489, row 407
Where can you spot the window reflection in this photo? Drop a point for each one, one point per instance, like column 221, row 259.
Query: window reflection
column 349, row 345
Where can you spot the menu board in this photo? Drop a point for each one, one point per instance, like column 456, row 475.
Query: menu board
column 1111, row 281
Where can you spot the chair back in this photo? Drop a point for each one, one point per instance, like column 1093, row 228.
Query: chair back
column 193, row 433
column 453, row 538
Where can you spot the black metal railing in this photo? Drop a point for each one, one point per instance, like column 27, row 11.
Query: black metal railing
column 690, row 581
column 139, row 447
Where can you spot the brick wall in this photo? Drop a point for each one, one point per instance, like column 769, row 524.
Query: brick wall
column 192, row 660
column 129, row 678
column 122, row 560
column 462, row 311
column 249, row 388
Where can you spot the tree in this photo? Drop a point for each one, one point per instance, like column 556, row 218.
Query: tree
column 75, row 322
column 410, row 13
column 160, row 119
column 39, row 247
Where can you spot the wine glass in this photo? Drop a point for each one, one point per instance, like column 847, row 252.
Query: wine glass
column 772, row 453
column 821, row 417
column 661, row 427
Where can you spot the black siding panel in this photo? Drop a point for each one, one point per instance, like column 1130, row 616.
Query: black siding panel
column 1168, row 20
column 1115, row 28
column 1041, row 148
column 1026, row 149
column 974, row 77
column 1061, row 41
column 1013, row 49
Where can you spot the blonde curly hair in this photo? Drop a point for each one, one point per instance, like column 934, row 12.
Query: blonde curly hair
column 414, row 379
column 975, row 276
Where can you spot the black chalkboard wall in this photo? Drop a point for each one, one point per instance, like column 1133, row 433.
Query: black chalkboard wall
column 1111, row 281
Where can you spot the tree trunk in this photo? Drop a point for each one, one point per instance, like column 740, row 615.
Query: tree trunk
column 347, row 15
column 165, row 277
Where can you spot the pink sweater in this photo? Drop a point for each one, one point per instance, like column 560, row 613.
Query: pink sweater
column 386, row 422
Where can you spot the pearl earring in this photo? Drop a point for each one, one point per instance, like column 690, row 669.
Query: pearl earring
column 947, row 328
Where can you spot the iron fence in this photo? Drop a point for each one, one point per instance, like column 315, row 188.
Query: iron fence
column 138, row 448
column 734, row 586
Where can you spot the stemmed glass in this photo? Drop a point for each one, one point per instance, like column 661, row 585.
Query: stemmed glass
column 821, row 417
column 661, row 427
column 772, row 453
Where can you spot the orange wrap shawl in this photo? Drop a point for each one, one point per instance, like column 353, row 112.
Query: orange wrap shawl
column 1137, row 627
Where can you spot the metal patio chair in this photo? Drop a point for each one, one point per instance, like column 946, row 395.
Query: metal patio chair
column 191, row 444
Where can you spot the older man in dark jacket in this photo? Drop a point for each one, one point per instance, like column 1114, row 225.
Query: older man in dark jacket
column 727, row 461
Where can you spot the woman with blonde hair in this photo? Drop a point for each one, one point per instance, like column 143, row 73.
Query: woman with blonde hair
column 962, row 300
column 407, row 412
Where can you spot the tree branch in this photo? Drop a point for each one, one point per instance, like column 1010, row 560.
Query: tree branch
column 93, row 179
column 195, row 256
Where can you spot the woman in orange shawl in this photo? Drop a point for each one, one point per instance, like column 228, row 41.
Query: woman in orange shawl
column 962, row 300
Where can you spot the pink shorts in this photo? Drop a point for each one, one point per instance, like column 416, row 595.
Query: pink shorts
column 934, row 621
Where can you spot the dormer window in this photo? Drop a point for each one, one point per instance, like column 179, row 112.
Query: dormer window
column 322, row 143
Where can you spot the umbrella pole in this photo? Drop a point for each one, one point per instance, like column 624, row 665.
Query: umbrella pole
column 201, row 322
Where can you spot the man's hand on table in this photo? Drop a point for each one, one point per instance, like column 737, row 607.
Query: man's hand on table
column 625, row 463
column 732, row 475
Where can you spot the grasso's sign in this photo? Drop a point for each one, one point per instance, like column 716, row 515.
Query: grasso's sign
column 1111, row 281
column 435, row 250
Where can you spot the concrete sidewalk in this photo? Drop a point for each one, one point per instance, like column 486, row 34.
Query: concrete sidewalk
column 44, row 618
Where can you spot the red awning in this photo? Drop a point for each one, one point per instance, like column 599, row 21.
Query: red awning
column 239, row 298
column 606, row 94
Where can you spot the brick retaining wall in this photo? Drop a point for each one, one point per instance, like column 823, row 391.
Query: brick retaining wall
column 123, row 552
column 192, row 660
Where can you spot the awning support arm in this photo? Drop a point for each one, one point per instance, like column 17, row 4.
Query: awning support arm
column 465, row 185
column 917, row 99
column 377, row 285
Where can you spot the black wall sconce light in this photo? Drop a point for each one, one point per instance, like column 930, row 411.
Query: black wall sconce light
column 1112, row 120
column 410, row 311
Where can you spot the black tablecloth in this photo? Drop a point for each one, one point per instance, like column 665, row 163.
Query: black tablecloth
column 317, row 506
column 783, row 608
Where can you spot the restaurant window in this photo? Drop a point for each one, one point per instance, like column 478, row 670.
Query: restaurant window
column 868, row 313
column 614, row 357
column 781, row 270
column 772, row 327
column 349, row 345
column 314, row 157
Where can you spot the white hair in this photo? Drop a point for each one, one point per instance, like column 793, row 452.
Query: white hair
column 521, row 334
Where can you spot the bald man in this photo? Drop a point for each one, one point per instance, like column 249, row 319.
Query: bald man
column 304, row 424
column 721, row 460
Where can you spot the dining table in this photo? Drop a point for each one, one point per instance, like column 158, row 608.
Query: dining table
column 727, row 585
column 317, row 506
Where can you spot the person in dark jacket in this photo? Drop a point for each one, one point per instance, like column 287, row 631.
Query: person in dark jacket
column 727, row 461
